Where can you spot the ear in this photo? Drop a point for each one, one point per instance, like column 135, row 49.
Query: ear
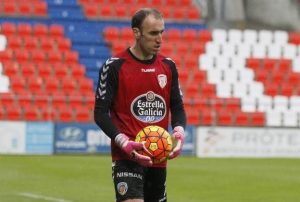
column 136, row 32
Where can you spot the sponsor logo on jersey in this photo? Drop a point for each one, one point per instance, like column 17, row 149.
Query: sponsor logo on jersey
column 122, row 188
column 162, row 80
column 129, row 174
column 148, row 70
column 149, row 107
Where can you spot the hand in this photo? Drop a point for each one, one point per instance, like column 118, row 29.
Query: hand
column 130, row 147
column 178, row 135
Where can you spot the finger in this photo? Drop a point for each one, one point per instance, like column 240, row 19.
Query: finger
column 141, row 157
column 137, row 145
column 146, row 150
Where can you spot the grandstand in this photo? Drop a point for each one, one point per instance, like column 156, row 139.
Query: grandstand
column 51, row 52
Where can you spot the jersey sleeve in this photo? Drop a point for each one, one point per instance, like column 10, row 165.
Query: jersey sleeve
column 178, row 116
column 105, row 92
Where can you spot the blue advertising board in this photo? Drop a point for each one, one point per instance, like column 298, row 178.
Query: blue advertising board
column 80, row 138
column 39, row 137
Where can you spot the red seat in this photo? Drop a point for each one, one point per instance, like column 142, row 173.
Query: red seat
column 28, row 69
column 126, row 33
column 35, row 84
column 6, row 55
column 21, row 56
column 199, row 76
column 179, row 13
column 189, row 35
column 183, row 75
column 25, row 98
column 47, row 43
column 60, row 71
column 173, row 35
column 65, row 114
column 8, row 99
column 31, row 43
column 90, row 10
column 64, row 44
column 208, row 90
column 253, row 63
column 257, row 118
column 37, row 56
column 287, row 89
column 224, row 118
column 71, row 57
column 41, row 100
column 18, row 83
column 44, row 70
column 294, row 38
column 10, row 8
column 8, row 28
column 40, row 9
column 31, row 113
column 15, row 42
column 56, row 31
column 24, row 29
column 54, row 57
column 121, row 11
column 59, row 100
column 82, row 114
column 207, row 117
column 40, row 30
column 48, row 114
column 193, row 13
column 77, row 71
column 85, row 84
column 233, row 104
column 271, row 89
column 11, row 69
column 52, row 84
column 2, row 112
column 75, row 99
column 111, row 33
column 204, row 36
column 13, row 112
column 241, row 119
column 68, row 84
column 106, row 11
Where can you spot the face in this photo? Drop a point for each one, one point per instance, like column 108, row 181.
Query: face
column 149, row 37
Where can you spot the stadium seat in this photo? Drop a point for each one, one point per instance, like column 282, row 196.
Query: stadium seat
column 241, row 119
column 8, row 29
column 13, row 112
column 65, row 114
column 40, row 30
column 224, row 118
column 290, row 118
column 83, row 115
column 257, row 118
column 31, row 113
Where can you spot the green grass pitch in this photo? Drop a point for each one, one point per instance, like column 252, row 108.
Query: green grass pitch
column 190, row 179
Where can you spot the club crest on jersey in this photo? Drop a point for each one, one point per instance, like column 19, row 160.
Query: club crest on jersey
column 122, row 188
column 149, row 107
column 162, row 80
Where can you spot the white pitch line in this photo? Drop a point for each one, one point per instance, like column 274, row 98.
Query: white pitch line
column 45, row 198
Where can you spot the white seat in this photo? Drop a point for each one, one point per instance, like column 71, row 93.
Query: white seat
column 224, row 89
column 219, row 35
column 246, row 75
column 228, row 50
column 4, row 84
column 3, row 42
column 259, row 50
column 248, row 104
column 250, row 36
column 264, row 103
column 214, row 75
column 243, row 50
column 289, row 51
column 280, row 103
column 256, row 89
column 239, row 90
column 274, row 51
column 238, row 63
column 213, row 49
column 296, row 64
column 222, row 62
column 290, row 118
column 273, row 118
column 230, row 75
column 265, row 37
column 294, row 103
column 234, row 36
column 206, row 62
column 280, row 37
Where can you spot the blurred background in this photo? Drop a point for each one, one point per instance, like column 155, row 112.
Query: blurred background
column 239, row 70
column 238, row 64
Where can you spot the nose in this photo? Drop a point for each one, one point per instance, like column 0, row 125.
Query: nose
column 159, row 38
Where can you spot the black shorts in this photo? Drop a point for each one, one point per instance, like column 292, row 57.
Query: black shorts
column 133, row 181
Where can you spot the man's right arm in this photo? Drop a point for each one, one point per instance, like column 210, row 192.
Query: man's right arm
column 106, row 89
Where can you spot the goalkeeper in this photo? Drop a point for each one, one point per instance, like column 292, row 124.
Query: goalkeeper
column 137, row 88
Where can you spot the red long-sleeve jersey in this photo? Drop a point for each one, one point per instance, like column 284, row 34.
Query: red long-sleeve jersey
column 132, row 94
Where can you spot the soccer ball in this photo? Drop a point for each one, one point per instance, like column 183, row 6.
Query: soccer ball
column 158, row 142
